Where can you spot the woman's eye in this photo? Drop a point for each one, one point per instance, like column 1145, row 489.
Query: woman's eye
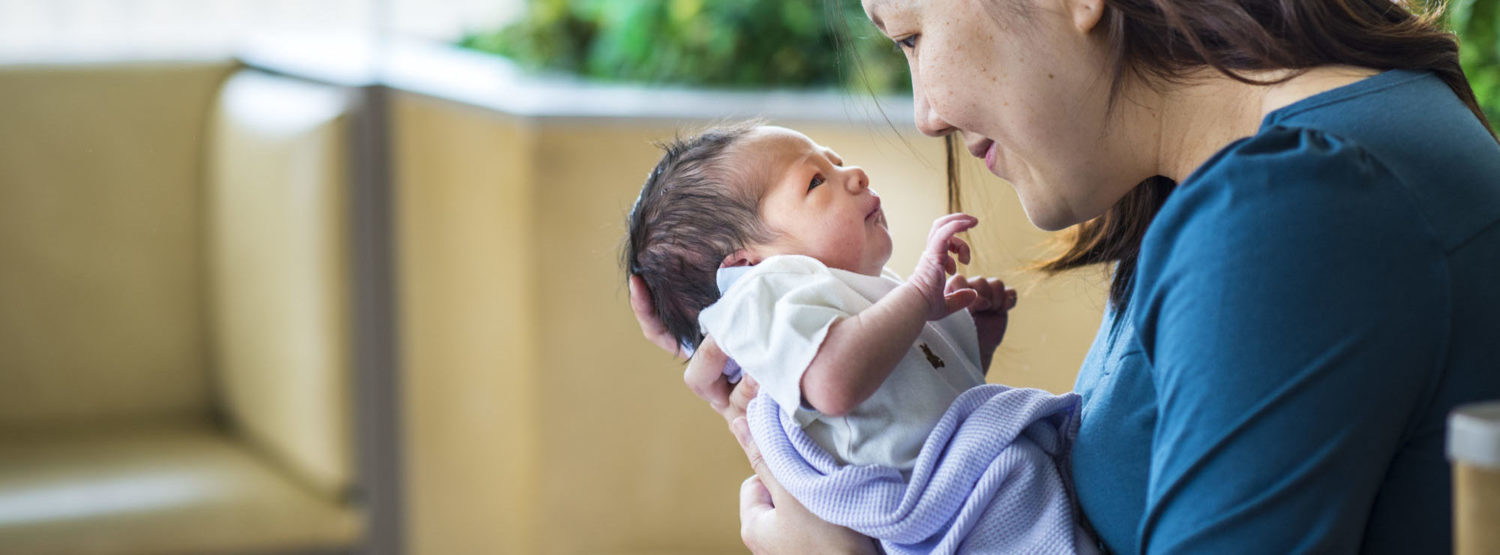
column 816, row 181
column 908, row 42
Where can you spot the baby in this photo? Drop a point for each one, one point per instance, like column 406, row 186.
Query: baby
column 766, row 241
column 866, row 363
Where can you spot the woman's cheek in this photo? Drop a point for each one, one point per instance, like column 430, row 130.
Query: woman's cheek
column 965, row 90
column 939, row 84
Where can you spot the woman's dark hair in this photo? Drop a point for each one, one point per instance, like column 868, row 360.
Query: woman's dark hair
column 1165, row 40
column 695, row 209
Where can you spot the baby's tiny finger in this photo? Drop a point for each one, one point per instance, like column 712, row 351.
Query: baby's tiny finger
column 959, row 247
column 957, row 226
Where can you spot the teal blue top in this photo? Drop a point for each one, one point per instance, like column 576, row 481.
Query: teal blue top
column 1309, row 306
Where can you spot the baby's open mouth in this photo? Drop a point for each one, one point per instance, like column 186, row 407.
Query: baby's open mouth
column 875, row 210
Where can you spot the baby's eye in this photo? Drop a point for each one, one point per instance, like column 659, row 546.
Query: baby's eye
column 908, row 42
column 816, row 181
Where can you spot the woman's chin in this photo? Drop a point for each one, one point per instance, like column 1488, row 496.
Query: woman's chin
column 1047, row 218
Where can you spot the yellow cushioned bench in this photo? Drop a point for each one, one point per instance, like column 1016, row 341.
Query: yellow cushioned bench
column 174, row 320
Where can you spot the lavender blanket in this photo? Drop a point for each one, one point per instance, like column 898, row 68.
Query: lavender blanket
column 989, row 479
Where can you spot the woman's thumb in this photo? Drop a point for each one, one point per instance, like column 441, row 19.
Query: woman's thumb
column 959, row 300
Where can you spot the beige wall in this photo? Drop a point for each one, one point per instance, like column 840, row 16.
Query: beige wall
column 466, row 297
column 537, row 418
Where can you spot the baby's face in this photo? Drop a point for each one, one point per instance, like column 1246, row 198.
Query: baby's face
column 818, row 206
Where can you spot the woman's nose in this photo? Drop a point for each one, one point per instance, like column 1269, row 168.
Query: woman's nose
column 927, row 120
column 857, row 180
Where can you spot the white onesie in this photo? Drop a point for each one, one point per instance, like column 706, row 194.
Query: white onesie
column 771, row 321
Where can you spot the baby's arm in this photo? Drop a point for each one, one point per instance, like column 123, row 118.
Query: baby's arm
column 860, row 351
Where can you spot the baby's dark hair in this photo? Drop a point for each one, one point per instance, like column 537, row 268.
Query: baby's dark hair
column 694, row 211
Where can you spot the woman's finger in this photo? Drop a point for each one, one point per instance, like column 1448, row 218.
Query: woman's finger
column 772, row 521
column 986, row 301
column 740, row 398
column 645, row 315
column 741, row 430
column 755, row 501
column 705, row 375
column 754, row 496
column 777, row 494
column 756, row 509
column 956, row 282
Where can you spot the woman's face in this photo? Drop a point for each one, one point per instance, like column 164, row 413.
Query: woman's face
column 1028, row 84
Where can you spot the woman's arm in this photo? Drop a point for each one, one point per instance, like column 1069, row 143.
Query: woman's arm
column 1293, row 315
column 771, row 520
column 991, row 312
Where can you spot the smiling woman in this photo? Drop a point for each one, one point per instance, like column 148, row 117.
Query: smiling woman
column 1297, row 199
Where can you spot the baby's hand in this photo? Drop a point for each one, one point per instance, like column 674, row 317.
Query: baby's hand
column 937, row 262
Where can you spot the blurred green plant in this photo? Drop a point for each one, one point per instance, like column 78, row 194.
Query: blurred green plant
column 801, row 43
column 1477, row 24
column 715, row 43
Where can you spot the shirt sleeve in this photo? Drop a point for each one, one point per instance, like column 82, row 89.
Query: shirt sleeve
column 774, row 318
column 1292, row 305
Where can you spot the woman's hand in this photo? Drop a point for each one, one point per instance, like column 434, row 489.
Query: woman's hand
column 990, row 309
column 705, row 378
column 705, row 370
column 645, row 314
column 772, row 521
column 937, row 262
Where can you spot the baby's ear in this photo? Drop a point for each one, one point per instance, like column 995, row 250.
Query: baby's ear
column 742, row 257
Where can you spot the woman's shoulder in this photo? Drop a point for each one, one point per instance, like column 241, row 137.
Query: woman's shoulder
column 1287, row 158
column 1284, row 180
column 1305, row 222
column 1401, row 138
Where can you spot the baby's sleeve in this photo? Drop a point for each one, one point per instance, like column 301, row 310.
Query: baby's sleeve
column 773, row 320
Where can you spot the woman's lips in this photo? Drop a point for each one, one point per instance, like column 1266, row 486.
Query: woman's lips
column 984, row 150
column 978, row 149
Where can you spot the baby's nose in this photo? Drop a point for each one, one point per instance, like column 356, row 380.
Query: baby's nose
column 857, row 180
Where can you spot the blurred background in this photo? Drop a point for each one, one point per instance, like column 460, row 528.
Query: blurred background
column 339, row 276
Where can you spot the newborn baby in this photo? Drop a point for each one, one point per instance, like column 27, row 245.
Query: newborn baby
column 768, row 242
column 867, row 364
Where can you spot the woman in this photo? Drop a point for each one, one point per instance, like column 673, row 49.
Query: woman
column 1301, row 201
